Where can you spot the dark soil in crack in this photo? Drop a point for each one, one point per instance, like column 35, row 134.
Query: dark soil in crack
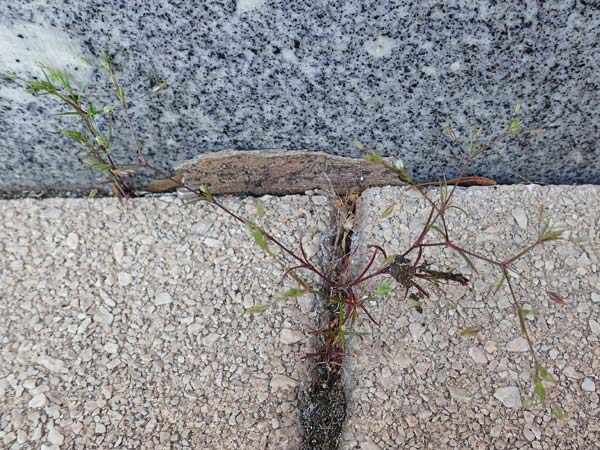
column 323, row 403
column 323, row 410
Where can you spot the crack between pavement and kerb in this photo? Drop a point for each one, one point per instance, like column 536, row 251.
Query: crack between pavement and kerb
column 323, row 403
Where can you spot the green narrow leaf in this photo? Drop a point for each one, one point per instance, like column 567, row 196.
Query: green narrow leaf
column 93, row 163
column 500, row 282
column 92, row 194
column 86, row 61
column 443, row 187
column 546, row 375
column 160, row 87
column 292, row 292
column 470, row 331
column 74, row 134
column 387, row 212
column 11, row 76
column 204, row 189
column 258, row 309
column 515, row 126
column 558, row 411
column 359, row 145
column 461, row 210
column 451, row 134
column 260, row 208
column 518, row 108
column 414, row 303
column 194, row 200
column 436, row 228
column 539, row 390
column 374, row 157
column 100, row 140
column 468, row 260
column 524, row 312
column 550, row 232
column 105, row 60
column 121, row 94
column 58, row 76
column 384, row 288
column 259, row 236
column 541, row 213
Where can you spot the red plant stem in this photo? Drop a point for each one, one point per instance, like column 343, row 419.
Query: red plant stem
column 366, row 311
column 424, row 232
column 305, row 262
column 418, row 259
column 367, row 267
column 522, row 324
column 511, row 260
column 474, row 255
column 372, row 275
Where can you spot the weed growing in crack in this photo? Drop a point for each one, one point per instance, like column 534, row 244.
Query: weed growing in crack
column 338, row 284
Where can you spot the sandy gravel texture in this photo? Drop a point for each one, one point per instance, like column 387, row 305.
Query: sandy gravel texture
column 124, row 326
column 418, row 384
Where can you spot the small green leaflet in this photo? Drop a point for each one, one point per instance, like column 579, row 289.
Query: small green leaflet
column 100, row 140
column 515, row 126
column 292, row 292
column 359, row 145
column 414, row 303
column 546, row 375
column 387, row 212
column 461, row 210
column 73, row 134
column 207, row 194
column 558, row 411
column 499, row 283
column 384, row 288
column 451, row 134
column 539, row 390
column 525, row 312
column 436, row 228
column 470, row 331
column 258, row 309
column 260, row 208
column 374, row 157
column 159, row 87
column 11, row 76
column 468, row 261
column 120, row 94
column 258, row 236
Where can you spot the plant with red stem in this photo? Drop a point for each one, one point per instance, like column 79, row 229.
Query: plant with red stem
column 336, row 287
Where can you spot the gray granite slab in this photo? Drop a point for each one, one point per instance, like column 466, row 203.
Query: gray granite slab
column 255, row 74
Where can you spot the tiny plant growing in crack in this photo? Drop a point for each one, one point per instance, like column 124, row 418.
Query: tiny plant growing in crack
column 338, row 284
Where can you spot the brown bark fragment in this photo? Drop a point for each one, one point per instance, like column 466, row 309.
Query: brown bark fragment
column 282, row 172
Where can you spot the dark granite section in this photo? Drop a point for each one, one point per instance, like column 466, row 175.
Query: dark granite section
column 256, row 74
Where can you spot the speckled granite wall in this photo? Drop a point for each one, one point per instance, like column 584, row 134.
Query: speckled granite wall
column 254, row 74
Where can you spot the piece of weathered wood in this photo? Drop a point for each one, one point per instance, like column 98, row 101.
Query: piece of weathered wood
column 280, row 172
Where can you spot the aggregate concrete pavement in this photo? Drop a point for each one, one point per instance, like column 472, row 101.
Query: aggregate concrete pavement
column 417, row 383
column 124, row 325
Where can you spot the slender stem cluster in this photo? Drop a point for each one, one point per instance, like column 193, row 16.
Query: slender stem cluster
column 338, row 288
